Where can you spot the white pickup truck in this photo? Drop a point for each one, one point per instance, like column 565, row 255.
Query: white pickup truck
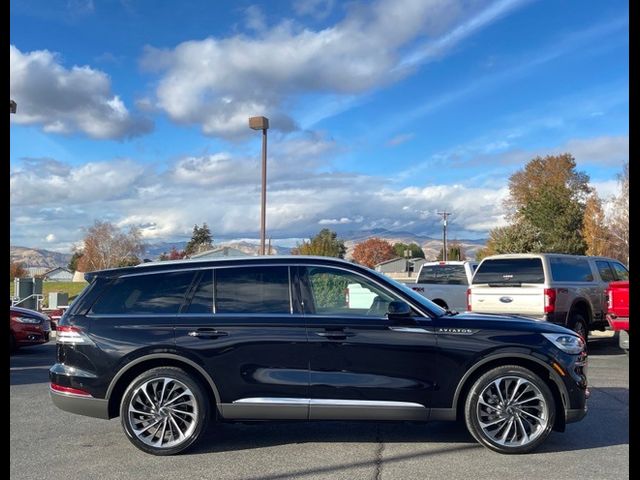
column 445, row 283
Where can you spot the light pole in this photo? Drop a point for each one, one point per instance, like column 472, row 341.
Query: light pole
column 262, row 123
column 445, row 215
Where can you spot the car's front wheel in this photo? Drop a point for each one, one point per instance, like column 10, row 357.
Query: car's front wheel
column 164, row 411
column 510, row 409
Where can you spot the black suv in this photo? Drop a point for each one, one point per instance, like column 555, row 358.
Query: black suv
column 166, row 346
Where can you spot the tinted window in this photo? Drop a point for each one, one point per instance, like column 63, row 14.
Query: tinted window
column 510, row 271
column 621, row 272
column 606, row 274
column 202, row 301
column 252, row 290
column 570, row 269
column 145, row 294
column 344, row 293
column 443, row 274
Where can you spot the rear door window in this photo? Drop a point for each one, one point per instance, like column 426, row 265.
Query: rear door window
column 202, row 301
column 510, row 271
column 604, row 269
column 252, row 290
column 621, row 272
column 443, row 274
column 161, row 293
column 570, row 269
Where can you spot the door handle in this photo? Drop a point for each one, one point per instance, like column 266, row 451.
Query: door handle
column 335, row 335
column 207, row 333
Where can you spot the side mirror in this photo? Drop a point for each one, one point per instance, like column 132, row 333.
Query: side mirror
column 399, row 312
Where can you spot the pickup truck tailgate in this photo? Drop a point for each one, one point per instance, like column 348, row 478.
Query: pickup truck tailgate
column 523, row 300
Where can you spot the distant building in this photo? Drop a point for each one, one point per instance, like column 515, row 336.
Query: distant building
column 36, row 271
column 400, row 268
column 221, row 252
column 58, row 274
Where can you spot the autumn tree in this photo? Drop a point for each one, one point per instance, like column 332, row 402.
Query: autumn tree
column 595, row 230
column 325, row 244
column 373, row 251
column 173, row 254
column 454, row 252
column 201, row 240
column 16, row 270
column 415, row 251
column 546, row 204
column 619, row 222
column 107, row 246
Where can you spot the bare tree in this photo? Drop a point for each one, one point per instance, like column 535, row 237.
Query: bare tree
column 106, row 246
column 619, row 221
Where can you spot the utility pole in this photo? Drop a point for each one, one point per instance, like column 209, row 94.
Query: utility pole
column 445, row 215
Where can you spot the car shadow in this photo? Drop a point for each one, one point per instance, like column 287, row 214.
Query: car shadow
column 605, row 345
column 31, row 364
column 603, row 426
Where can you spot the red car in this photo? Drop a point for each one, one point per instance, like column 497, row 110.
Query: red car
column 27, row 327
column 618, row 311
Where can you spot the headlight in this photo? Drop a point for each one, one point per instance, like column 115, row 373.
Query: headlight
column 27, row 320
column 567, row 343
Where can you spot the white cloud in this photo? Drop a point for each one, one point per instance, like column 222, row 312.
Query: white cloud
column 318, row 9
column 219, row 82
column 224, row 191
column 50, row 238
column 66, row 101
column 400, row 139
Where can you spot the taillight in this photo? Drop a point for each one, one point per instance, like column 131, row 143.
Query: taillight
column 549, row 300
column 70, row 335
column 468, row 299
column 609, row 294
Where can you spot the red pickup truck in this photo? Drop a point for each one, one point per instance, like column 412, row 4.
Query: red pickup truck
column 618, row 310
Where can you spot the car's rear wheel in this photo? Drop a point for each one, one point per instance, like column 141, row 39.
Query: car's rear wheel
column 510, row 409
column 578, row 324
column 164, row 411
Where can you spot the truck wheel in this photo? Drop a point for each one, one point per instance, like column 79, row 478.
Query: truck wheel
column 578, row 324
column 441, row 303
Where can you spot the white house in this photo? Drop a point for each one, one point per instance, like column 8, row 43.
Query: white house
column 58, row 274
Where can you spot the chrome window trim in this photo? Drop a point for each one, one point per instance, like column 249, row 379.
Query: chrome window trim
column 213, row 289
column 288, row 265
column 290, row 291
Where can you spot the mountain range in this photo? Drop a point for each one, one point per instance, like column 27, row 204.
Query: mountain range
column 37, row 257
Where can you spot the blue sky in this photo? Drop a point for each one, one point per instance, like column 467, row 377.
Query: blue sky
column 382, row 112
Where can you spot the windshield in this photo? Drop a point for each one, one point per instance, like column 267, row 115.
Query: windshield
column 416, row 297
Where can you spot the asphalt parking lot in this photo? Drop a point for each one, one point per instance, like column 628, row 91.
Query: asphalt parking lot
column 48, row 443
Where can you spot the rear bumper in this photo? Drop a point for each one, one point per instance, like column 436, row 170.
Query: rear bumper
column 88, row 406
column 618, row 323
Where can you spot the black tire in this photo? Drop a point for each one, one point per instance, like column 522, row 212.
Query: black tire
column 441, row 303
column 147, row 396
column 578, row 324
column 513, row 419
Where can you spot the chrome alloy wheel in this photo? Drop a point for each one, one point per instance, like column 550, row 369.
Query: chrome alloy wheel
column 163, row 412
column 512, row 411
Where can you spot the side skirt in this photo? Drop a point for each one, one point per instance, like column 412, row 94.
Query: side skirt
column 261, row 408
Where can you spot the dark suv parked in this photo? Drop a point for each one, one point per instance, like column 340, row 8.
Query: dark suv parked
column 167, row 346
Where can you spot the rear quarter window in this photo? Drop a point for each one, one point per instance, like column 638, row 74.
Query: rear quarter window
column 569, row 269
column 506, row 271
column 161, row 293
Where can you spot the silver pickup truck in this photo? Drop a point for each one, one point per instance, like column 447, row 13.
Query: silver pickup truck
column 569, row 290
column 445, row 283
